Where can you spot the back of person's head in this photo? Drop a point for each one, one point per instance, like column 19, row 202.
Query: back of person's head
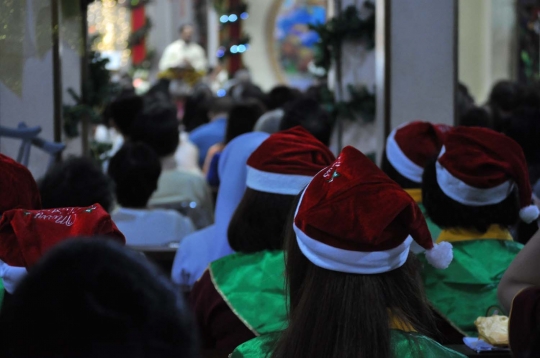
column 524, row 128
column 280, row 95
column 505, row 96
column 477, row 117
column 242, row 118
column 18, row 189
column 464, row 100
column 348, row 243
column 408, row 150
column 124, row 109
column 135, row 170
column 89, row 298
column 76, row 182
column 276, row 171
column 196, row 109
column 157, row 127
column 220, row 106
column 309, row 114
column 481, row 179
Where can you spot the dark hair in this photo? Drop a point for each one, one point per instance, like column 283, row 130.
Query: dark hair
column 135, row 169
column 280, row 95
column 90, row 298
column 124, row 110
column 448, row 213
column 157, row 127
column 403, row 182
column 524, row 128
column 242, row 118
column 309, row 114
column 505, row 96
column 76, row 182
column 220, row 105
column 196, row 109
column 477, row 117
column 259, row 221
column 464, row 100
column 334, row 314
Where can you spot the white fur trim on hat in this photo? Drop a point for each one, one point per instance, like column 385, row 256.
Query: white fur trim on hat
column 441, row 255
column 400, row 161
column 11, row 276
column 358, row 262
column 468, row 195
column 286, row 184
column 529, row 213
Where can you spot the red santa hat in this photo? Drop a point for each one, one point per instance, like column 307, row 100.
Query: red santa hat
column 352, row 218
column 478, row 167
column 17, row 186
column 286, row 162
column 25, row 235
column 411, row 146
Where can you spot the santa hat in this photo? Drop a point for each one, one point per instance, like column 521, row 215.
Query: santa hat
column 478, row 167
column 352, row 218
column 286, row 162
column 17, row 186
column 25, row 235
column 411, row 146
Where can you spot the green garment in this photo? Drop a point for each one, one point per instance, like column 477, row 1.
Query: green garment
column 253, row 285
column 468, row 287
column 405, row 345
column 433, row 229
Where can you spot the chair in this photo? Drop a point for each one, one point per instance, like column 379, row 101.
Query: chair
column 190, row 209
column 26, row 135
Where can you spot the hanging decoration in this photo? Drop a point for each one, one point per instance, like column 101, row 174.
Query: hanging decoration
column 362, row 104
column 528, row 41
column 97, row 92
column 233, row 42
column 348, row 25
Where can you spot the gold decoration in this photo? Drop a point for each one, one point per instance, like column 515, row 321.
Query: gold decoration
column 12, row 26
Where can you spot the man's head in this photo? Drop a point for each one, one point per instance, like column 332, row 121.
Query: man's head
column 135, row 170
column 186, row 32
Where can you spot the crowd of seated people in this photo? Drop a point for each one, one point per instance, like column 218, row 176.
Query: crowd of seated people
column 303, row 252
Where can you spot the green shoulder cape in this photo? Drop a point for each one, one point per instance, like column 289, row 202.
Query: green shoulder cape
column 405, row 345
column 433, row 228
column 253, row 285
column 468, row 287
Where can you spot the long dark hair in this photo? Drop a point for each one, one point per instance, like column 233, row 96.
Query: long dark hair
column 334, row 314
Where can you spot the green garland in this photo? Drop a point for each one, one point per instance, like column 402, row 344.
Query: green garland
column 362, row 104
column 347, row 26
column 98, row 91
column 137, row 36
column 221, row 8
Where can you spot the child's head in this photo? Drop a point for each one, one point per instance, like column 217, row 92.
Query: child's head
column 94, row 298
column 18, row 189
column 135, row 169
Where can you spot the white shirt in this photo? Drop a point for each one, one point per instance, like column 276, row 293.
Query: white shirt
column 152, row 227
column 175, row 54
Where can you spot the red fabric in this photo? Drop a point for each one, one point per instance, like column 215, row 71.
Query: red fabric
column 354, row 206
column 219, row 327
column 25, row 235
column 483, row 158
column 138, row 20
column 421, row 141
column 294, row 152
column 17, row 186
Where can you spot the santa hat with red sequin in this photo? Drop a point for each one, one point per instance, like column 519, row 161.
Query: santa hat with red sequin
column 286, row 162
column 26, row 235
column 352, row 218
column 411, row 146
column 479, row 167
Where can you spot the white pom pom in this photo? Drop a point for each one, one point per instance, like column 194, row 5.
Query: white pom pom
column 529, row 213
column 441, row 255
